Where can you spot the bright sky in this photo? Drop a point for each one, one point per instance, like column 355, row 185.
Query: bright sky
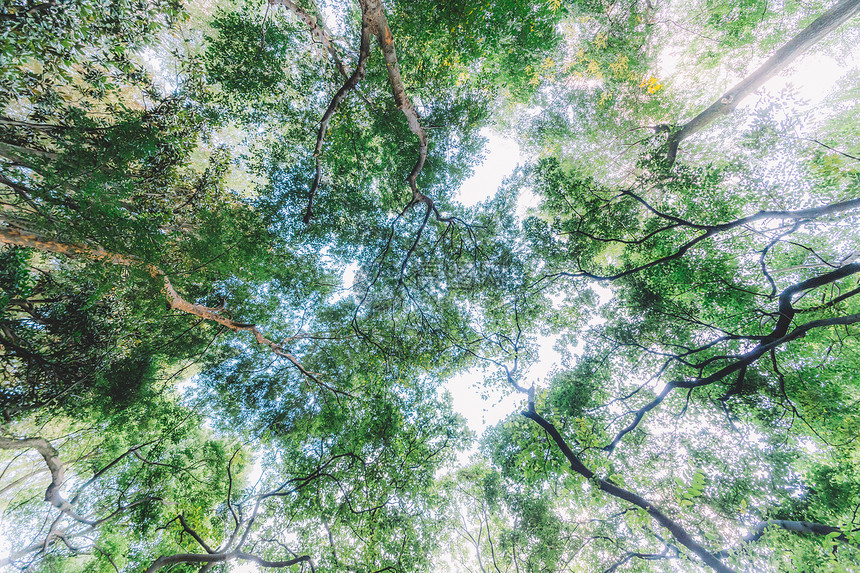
column 503, row 155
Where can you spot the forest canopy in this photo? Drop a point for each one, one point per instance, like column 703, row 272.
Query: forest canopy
column 238, row 271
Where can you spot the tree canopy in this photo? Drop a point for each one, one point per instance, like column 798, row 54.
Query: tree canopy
column 238, row 273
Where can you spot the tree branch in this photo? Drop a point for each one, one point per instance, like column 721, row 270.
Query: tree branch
column 318, row 30
column 351, row 82
column 11, row 236
column 744, row 361
column 376, row 15
column 206, row 558
column 613, row 490
column 761, row 528
column 790, row 51
column 711, row 230
column 55, row 466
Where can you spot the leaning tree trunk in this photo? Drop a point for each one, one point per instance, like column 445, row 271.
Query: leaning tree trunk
column 794, row 48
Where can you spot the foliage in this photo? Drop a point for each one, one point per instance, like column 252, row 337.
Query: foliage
column 232, row 291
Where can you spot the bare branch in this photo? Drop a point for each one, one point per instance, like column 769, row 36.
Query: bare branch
column 744, row 361
column 712, row 230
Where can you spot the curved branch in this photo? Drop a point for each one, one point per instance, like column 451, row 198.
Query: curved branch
column 711, row 230
column 787, row 311
column 55, row 466
column 376, row 14
column 193, row 533
column 744, row 361
column 610, row 488
column 11, row 236
column 206, row 558
column 349, row 85
column 318, row 30
column 55, row 498
column 761, row 528
column 643, row 556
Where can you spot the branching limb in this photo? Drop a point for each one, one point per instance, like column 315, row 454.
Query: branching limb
column 54, row 497
column 613, row 490
column 351, row 82
column 379, row 23
column 11, row 236
column 376, row 14
column 193, row 533
column 318, row 30
column 55, row 466
column 744, row 361
column 712, row 230
column 643, row 556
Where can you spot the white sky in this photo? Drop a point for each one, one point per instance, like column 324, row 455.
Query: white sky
column 503, row 155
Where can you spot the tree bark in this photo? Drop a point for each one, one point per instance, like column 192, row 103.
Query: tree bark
column 55, row 466
column 404, row 104
column 820, row 27
column 318, row 30
column 11, row 236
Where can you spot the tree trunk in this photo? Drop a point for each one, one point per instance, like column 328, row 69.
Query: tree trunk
column 784, row 56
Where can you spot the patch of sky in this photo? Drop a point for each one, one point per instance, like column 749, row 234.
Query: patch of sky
column 503, row 156
column 155, row 63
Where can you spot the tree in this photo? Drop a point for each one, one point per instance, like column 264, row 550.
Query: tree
column 233, row 291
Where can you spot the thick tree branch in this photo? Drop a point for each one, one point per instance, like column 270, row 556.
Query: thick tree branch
column 787, row 311
column 806, row 38
column 206, row 558
column 19, row 155
column 744, row 361
column 55, row 466
column 376, row 14
column 54, row 497
column 610, row 488
column 193, row 533
column 11, row 236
